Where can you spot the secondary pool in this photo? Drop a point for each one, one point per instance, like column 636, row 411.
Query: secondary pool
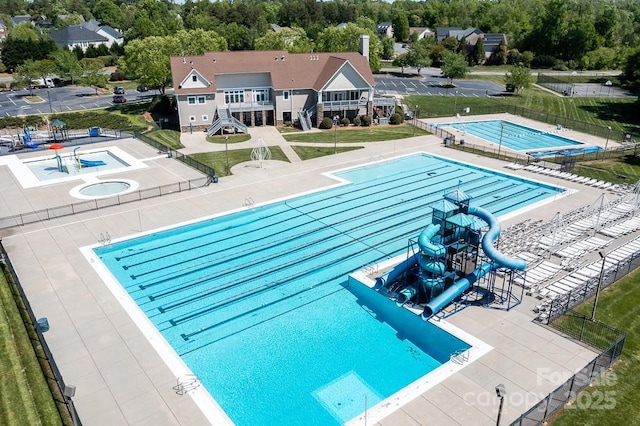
column 513, row 136
column 257, row 303
column 60, row 166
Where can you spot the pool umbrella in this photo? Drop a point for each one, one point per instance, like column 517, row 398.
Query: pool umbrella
column 56, row 146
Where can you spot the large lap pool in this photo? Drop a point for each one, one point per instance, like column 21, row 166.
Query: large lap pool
column 513, row 136
column 258, row 306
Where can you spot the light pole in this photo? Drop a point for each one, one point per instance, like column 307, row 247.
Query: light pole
column 335, row 133
column 500, row 143
column 49, row 96
column 415, row 120
column 226, row 150
column 455, row 103
column 501, row 392
column 595, row 301
column 606, row 143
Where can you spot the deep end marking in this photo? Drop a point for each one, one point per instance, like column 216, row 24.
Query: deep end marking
column 125, row 267
column 162, row 311
column 185, row 337
column 133, row 277
column 172, row 322
column 152, row 298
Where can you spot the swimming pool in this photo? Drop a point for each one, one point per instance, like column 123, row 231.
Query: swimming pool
column 513, row 136
column 256, row 303
column 64, row 165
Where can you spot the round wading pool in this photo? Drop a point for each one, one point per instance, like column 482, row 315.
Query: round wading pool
column 104, row 189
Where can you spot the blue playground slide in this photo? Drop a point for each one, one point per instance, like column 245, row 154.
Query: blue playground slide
column 89, row 163
column 499, row 259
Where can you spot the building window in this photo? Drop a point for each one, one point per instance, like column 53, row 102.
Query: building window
column 233, row 96
column 194, row 78
column 205, row 118
column 202, row 99
column 285, row 95
column 192, row 118
column 261, row 95
column 191, row 100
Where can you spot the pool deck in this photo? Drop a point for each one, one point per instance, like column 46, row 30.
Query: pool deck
column 121, row 379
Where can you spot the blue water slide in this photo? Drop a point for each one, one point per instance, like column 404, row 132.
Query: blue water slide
column 395, row 272
column 90, row 163
column 499, row 259
column 429, row 248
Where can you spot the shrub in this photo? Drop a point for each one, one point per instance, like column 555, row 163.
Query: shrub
column 395, row 119
column 116, row 76
column 288, row 124
column 345, row 121
column 107, row 60
column 3, row 85
column 543, row 61
column 366, row 120
column 357, row 121
column 326, row 123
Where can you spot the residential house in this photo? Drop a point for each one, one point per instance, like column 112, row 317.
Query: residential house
column 491, row 43
column 421, row 32
column 3, row 30
column 221, row 91
column 471, row 36
column 443, row 32
column 18, row 19
column 385, row 29
column 89, row 33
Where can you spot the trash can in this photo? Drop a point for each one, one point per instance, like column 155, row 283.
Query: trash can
column 461, row 141
column 43, row 324
column 447, row 141
column 94, row 132
column 215, row 178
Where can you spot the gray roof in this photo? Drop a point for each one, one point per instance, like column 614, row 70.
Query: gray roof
column 91, row 25
column 76, row 34
column 111, row 31
column 15, row 20
column 382, row 26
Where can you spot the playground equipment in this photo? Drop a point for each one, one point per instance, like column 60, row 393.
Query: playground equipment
column 444, row 266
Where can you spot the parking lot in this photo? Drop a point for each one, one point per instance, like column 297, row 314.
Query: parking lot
column 60, row 99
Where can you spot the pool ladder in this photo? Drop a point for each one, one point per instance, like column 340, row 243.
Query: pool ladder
column 186, row 384
column 460, row 356
column 105, row 238
column 248, row 202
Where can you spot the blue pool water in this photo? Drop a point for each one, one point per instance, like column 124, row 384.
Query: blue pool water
column 258, row 306
column 48, row 169
column 514, row 136
column 576, row 151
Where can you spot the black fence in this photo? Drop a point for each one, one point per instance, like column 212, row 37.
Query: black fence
column 60, row 391
column 189, row 161
column 597, row 335
column 100, row 203
column 565, row 302
column 580, row 126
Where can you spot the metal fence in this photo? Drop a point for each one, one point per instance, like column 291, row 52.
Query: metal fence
column 40, row 346
column 85, row 206
column 597, row 335
column 565, row 302
column 554, row 119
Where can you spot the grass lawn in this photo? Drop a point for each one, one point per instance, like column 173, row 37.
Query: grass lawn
column 25, row 395
column 237, row 138
column 357, row 134
column 168, row 138
column 309, row 152
column 619, row 307
column 617, row 170
column 623, row 115
column 218, row 160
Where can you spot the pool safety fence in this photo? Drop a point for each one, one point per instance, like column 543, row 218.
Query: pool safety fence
column 601, row 131
column 563, row 303
column 100, row 203
column 595, row 334
column 597, row 86
column 61, row 392
column 189, row 161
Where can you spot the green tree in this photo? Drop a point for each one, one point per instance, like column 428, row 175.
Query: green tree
column 334, row 39
column 26, row 73
column 92, row 74
column 499, row 55
column 45, row 68
column 477, row 56
column 153, row 18
column 454, row 65
column 419, row 56
column 293, row 40
column 148, row 59
column 402, row 61
column 107, row 12
column 67, row 65
column 388, row 50
column 25, row 42
column 631, row 71
column 400, row 24
column 519, row 78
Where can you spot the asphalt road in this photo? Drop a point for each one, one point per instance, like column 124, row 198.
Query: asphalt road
column 59, row 99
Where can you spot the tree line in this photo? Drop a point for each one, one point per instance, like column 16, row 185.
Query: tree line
column 561, row 34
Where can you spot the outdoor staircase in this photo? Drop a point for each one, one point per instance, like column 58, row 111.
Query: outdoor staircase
column 305, row 120
column 225, row 120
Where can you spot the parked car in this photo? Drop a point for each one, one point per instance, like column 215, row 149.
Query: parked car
column 119, row 99
column 119, row 90
column 143, row 88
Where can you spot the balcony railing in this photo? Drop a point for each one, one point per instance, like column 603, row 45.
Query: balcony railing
column 342, row 105
column 251, row 106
